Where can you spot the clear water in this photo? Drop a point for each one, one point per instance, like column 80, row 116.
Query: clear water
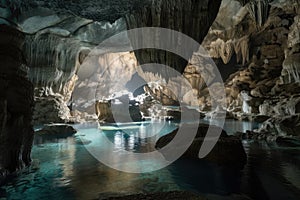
column 64, row 169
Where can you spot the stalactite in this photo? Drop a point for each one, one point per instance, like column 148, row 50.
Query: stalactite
column 215, row 48
column 237, row 50
column 222, row 49
column 227, row 50
column 291, row 70
column 259, row 11
column 241, row 48
column 52, row 59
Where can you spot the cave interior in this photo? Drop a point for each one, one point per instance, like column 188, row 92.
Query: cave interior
column 220, row 76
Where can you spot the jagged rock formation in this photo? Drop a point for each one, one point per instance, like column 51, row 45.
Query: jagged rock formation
column 225, row 50
column 16, row 103
column 103, row 78
column 271, row 76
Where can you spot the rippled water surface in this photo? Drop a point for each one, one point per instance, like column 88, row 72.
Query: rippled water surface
column 64, row 169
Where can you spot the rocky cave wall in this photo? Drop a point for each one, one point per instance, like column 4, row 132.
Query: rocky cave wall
column 262, row 54
column 16, row 102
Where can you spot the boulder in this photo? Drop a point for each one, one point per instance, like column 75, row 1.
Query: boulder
column 56, row 129
column 227, row 151
column 50, row 109
column 111, row 113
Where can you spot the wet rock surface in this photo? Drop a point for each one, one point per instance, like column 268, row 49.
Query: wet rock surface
column 56, row 129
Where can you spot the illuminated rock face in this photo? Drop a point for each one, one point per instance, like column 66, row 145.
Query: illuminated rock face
column 55, row 53
column 264, row 63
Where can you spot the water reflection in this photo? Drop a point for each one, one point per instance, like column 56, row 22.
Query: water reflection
column 68, row 171
column 233, row 126
column 265, row 174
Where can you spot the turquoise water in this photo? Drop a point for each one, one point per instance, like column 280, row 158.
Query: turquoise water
column 64, row 169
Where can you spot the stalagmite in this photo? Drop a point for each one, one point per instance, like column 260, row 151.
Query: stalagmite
column 246, row 98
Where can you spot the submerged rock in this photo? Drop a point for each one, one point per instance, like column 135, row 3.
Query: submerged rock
column 227, row 151
column 56, row 129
